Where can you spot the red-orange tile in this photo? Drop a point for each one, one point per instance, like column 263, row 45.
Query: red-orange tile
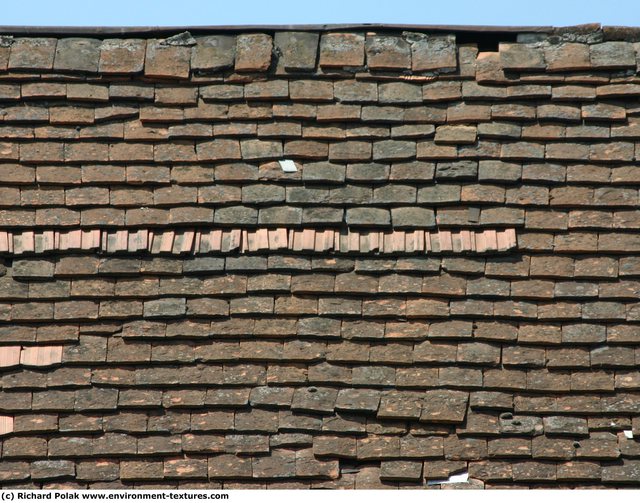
column 10, row 356
column 6, row 425
column 41, row 355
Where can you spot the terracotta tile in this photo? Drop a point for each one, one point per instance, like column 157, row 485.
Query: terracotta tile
column 252, row 241
column 187, row 241
column 363, row 245
column 17, row 244
column 166, row 242
column 86, row 240
column 290, row 238
column 323, row 240
column 308, row 239
column 446, row 243
column 329, row 240
column 4, row 241
column 37, row 242
column 216, row 240
column 408, row 242
column 196, row 241
column 28, row 241
column 9, row 356
column 109, row 242
column 491, row 239
column 318, row 242
column 41, row 355
column 48, row 240
column 177, row 243
column 456, row 242
column 234, row 239
column 435, row 242
column 344, row 242
column 143, row 239
column 374, row 242
column 398, row 241
column 104, row 239
column 481, row 242
column 297, row 241
column 511, row 238
column 277, row 238
column 248, row 241
column 150, row 241
column 262, row 239
column 414, row 241
column 122, row 240
column 336, row 240
column 74, row 239
column 138, row 240
column 503, row 241
column 155, row 240
column 465, row 240
column 63, row 241
column 204, row 242
column 387, row 242
column 225, row 242
column 353, row 241
column 473, row 241
column 418, row 240
column 6, row 424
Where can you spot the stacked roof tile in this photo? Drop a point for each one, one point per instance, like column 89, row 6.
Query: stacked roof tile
column 448, row 282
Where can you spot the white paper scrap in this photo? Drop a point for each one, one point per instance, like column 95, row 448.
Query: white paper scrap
column 460, row 477
column 288, row 166
column 453, row 479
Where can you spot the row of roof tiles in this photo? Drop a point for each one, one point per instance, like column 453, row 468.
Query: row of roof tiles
column 56, row 88
column 177, row 56
column 243, row 240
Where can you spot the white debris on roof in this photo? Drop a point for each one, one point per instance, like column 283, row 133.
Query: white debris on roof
column 453, row 479
column 288, row 166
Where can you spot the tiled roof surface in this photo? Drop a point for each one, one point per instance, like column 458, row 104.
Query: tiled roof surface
column 447, row 283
